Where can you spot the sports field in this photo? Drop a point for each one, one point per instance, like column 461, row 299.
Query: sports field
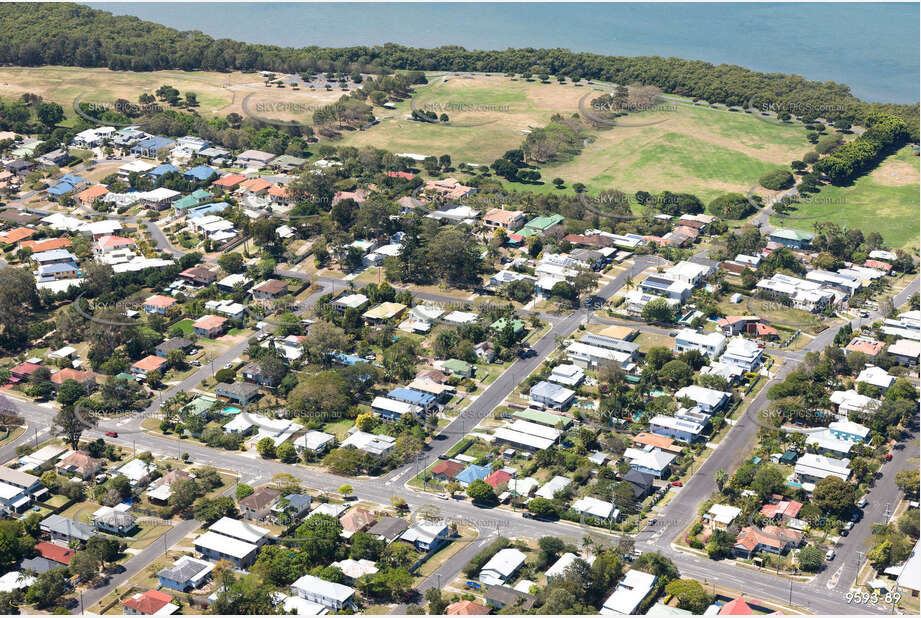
column 886, row 200
column 218, row 93
column 679, row 147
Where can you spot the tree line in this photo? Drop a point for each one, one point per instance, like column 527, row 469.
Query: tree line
column 73, row 35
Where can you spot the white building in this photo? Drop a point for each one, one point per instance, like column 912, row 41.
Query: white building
column 373, row 444
column 567, row 375
column 744, row 353
column 593, row 507
column 592, row 357
column 328, row 594
column 710, row 345
column 676, row 428
column 551, row 487
column 811, row 468
column 501, row 567
column 689, row 272
column 565, row 561
column 628, row 595
column 707, row 399
column 876, row 376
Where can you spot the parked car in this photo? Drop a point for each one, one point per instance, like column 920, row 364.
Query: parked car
column 888, row 456
column 845, row 532
column 677, row 484
column 830, row 554
column 862, row 502
column 112, row 434
column 849, row 525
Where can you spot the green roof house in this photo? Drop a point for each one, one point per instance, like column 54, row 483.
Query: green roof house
column 542, row 224
column 199, row 196
column 791, row 238
column 499, row 325
column 458, row 367
column 544, row 418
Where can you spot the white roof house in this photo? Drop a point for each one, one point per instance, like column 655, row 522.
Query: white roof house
column 559, row 567
column 723, row 513
column 596, row 508
column 522, row 440
column 136, row 469
column 460, row 317
column 327, row 594
column 677, row 428
column 551, row 487
column 535, row 429
column 237, row 529
column 689, row 272
column 710, row 344
column 567, row 375
column 851, row 401
column 811, row 466
column 393, row 408
column 876, row 376
column 910, row 576
column 825, row 440
column 629, row 593
column 225, row 545
column 370, row 443
column 707, row 399
column 314, row 440
column 742, row 352
column 591, row 356
column 501, row 567
column 653, row 461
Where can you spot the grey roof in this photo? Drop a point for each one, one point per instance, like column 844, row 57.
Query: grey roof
column 389, row 527
column 176, row 343
column 39, row 565
column 244, row 389
column 510, row 596
column 117, row 519
column 180, row 573
column 68, row 527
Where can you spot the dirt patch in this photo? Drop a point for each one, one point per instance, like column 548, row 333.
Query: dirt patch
column 894, row 173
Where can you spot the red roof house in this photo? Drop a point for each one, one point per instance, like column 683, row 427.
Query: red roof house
column 497, row 478
column 736, row 607
column 50, row 551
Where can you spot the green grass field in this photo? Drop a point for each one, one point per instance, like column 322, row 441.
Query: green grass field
column 886, row 200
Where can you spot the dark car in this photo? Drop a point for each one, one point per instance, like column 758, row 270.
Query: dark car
column 526, row 353
column 845, row 532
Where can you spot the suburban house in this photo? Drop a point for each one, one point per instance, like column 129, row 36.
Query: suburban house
column 708, row 400
column 62, row 529
column 630, row 592
column 114, row 521
column 199, row 275
column 173, row 343
column 710, row 345
column 79, row 464
column 794, row 239
column 272, row 289
column 187, row 573
column 508, row 220
column 216, row 547
column 148, row 364
column 427, row 536
column 314, row 441
column 159, row 304
column 258, row 504
column 209, row 326
column 241, row 393
column 328, row 594
column 551, row 395
column 501, row 567
column 388, row 528
column 150, row 603
column 357, row 520
column 771, row 539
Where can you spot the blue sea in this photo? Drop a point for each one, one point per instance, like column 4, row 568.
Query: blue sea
column 871, row 47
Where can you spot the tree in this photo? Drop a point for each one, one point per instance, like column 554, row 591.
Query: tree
column 345, row 490
column 768, row 480
column 399, row 555
column 266, row 447
column 286, row 452
column 366, row 547
column 481, row 493
column 209, row 510
column 437, row 603
column 231, row 263
column 49, row 588
column 183, row 494
column 810, row 559
column 690, row 594
column 72, row 424
column 247, row 595
column 731, row 206
column 777, row 180
column 833, row 495
column 84, row 566
column 907, row 481
column 243, row 490
column 720, row 477
column 49, row 114
column 70, row 391
column 676, row 373
column 658, row 310
column 902, row 388
column 542, row 507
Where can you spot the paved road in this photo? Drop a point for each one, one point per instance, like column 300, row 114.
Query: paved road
column 682, row 508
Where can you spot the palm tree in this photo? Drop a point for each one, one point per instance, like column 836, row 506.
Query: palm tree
column 720, row 477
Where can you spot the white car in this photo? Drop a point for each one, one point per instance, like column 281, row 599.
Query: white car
column 862, row 502
column 830, row 555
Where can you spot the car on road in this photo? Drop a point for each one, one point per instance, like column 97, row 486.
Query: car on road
column 830, row 555
column 228, row 365
column 845, row 532
column 857, row 515
column 112, row 434
column 195, row 363
column 888, row 456
column 849, row 525
column 442, row 496
column 864, row 314
column 862, row 502
column 526, row 352
column 673, row 333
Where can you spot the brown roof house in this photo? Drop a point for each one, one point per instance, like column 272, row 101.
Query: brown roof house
column 269, row 290
column 258, row 504
column 508, row 220
column 199, row 275
column 86, row 378
column 209, row 326
column 467, row 608
column 79, row 464
column 447, row 470
column 771, row 539
column 357, row 520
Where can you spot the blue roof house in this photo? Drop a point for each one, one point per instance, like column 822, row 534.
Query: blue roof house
column 59, row 190
column 202, row 172
column 151, row 146
column 207, row 209
column 472, row 473
column 426, row 401
column 162, row 170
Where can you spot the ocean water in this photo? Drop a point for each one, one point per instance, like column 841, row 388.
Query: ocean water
column 871, row 47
